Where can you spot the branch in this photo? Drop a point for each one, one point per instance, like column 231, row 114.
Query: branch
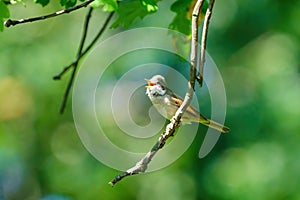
column 65, row 69
column 142, row 165
column 11, row 22
column 80, row 54
column 101, row 31
column 203, row 41
column 83, row 37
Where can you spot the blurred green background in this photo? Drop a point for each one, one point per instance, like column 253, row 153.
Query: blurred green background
column 255, row 44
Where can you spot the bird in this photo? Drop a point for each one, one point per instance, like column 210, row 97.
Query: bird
column 167, row 102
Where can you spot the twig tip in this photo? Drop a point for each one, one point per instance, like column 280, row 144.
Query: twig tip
column 56, row 78
column 111, row 183
column 8, row 23
column 199, row 80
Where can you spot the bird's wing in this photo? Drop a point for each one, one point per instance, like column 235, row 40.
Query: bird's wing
column 177, row 100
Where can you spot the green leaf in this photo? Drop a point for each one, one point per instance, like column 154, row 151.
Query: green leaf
column 183, row 10
column 1, row 25
column 63, row 2
column 181, row 22
column 150, row 5
column 42, row 2
column 96, row 4
column 68, row 3
column 181, row 6
column 4, row 13
column 129, row 10
column 112, row 5
column 108, row 5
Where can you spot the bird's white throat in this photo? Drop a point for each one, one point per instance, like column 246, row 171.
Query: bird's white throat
column 155, row 91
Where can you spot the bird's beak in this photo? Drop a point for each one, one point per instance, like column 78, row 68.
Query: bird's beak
column 150, row 84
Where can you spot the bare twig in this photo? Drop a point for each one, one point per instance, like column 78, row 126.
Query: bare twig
column 142, row 165
column 84, row 33
column 203, row 41
column 11, row 22
column 100, row 32
column 74, row 64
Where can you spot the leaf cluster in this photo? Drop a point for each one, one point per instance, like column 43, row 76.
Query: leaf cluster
column 4, row 13
column 127, row 10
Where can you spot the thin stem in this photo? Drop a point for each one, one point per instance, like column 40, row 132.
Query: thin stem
column 142, row 165
column 82, row 41
column 11, row 22
column 96, row 38
column 101, row 31
column 203, row 41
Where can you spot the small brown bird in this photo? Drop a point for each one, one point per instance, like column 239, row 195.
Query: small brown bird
column 166, row 102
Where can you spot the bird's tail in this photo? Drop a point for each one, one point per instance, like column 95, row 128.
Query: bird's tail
column 215, row 125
